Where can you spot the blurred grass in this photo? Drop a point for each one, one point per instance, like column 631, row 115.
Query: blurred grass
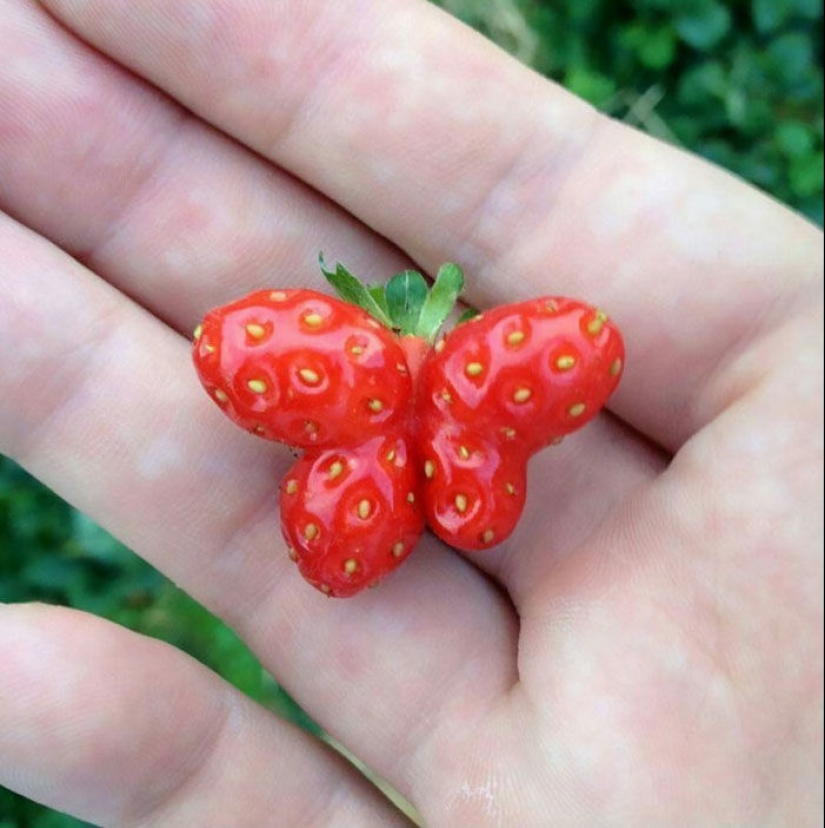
column 739, row 83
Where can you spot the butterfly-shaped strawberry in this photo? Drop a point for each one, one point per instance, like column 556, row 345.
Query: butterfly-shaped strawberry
column 395, row 430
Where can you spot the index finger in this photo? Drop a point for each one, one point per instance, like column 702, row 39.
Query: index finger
column 451, row 149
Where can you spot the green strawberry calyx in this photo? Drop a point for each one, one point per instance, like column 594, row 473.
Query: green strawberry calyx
column 407, row 303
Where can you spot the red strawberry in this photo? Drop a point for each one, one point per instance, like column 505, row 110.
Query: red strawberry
column 303, row 368
column 394, row 430
column 323, row 375
column 351, row 515
column 498, row 389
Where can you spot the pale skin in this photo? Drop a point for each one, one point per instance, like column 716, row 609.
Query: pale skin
column 647, row 647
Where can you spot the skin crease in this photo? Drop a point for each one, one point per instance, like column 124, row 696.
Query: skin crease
column 646, row 649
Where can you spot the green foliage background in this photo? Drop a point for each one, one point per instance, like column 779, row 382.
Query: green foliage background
column 740, row 83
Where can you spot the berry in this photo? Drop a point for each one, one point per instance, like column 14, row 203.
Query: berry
column 351, row 515
column 396, row 432
column 303, row 368
column 499, row 389
column 324, row 376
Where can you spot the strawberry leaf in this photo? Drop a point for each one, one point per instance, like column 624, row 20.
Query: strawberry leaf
column 449, row 282
column 405, row 304
column 352, row 290
column 379, row 295
column 406, row 293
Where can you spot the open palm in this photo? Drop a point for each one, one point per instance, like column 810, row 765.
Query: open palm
column 646, row 649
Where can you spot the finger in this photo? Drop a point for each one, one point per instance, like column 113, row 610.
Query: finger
column 171, row 211
column 99, row 400
column 119, row 729
column 550, row 197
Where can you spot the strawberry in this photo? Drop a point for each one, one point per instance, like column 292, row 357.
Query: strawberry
column 323, row 375
column 497, row 390
column 351, row 515
column 396, row 432
column 303, row 368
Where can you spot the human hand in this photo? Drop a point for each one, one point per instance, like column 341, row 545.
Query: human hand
column 646, row 649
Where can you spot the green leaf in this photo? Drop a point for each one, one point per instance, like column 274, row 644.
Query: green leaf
column 658, row 49
column 790, row 56
column 703, row 24
column 591, row 85
column 770, row 15
column 379, row 296
column 278, row 700
column 809, row 9
column 668, row 6
column 404, row 304
column 94, row 542
column 406, row 293
column 704, row 85
column 55, row 819
column 449, row 282
column 353, row 290
column 655, row 46
column 794, row 139
column 54, row 574
column 806, row 175
column 814, row 209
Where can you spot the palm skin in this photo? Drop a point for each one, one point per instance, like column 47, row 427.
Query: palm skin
column 646, row 649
